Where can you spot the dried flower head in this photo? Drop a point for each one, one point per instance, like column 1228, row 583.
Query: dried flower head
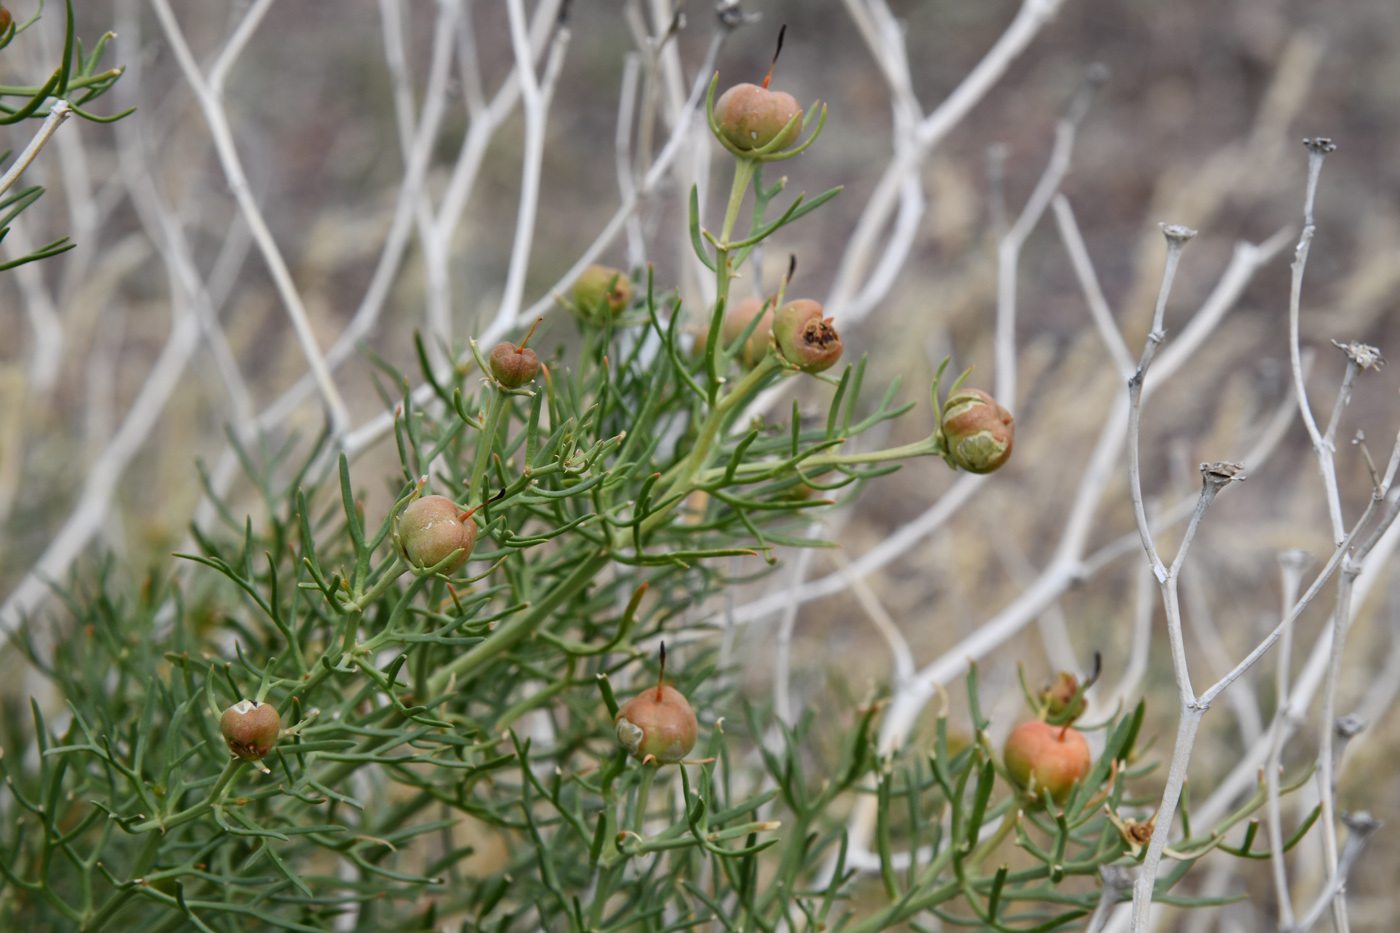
column 1363, row 355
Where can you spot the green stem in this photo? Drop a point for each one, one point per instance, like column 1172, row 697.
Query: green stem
column 352, row 629
column 643, row 796
column 485, row 445
column 74, row 84
column 520, row 627
column 607, row 880
column 396, row 570
column 929, row 446
column 989, row 845
column 685, row 473
column 216, row 794
column 143, row 864
column 743, row 175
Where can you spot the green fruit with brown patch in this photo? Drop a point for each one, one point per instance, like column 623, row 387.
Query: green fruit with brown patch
column 806, row 339
column 977, row 431
column 602, row 291
column 250, row 728
column 431, row 528
column 751, row 117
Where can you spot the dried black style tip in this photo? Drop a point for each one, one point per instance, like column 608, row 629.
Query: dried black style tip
column 782, row 30
column 661, row 674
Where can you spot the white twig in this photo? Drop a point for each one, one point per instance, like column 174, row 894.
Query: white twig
column 59, row 111
column 622, row 154
column 1116, row 880
column 237, row 42
column 187, row 285
column 900, row 653
column 927, row 134
column 1350, row 567
column 371, row 431
column 1291, row 566
column 1317, row 151
column 1243, row 778
column 1009, row 249
column 98, row 489
column 416, row 145
column 1361, row 826
column 1089, row 282
column 535, row 97
column 222, row 136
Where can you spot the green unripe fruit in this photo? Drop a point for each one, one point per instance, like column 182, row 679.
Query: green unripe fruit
column 751, row 117
column 978, row 432
column 737, row 318
column 804, row 339
column 657, row 724
column 250, row 728
column 431, row 528
column 602, row 288
column 1043, row 757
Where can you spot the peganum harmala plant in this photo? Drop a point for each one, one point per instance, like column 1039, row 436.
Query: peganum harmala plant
column 449, row 676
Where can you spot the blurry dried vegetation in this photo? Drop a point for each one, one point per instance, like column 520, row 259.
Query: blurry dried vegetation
column 1197, row 124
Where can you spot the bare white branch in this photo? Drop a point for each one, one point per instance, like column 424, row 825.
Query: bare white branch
column 222, row 135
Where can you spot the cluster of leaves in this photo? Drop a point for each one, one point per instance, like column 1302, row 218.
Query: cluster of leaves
column 450, row 755
column 136, row 813
column 76, row 81
column 603, row 497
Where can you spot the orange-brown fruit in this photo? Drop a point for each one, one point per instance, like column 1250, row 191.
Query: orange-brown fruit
column 738, row 317
column 1044, row 757
column 250, row 728
column 512, row 365
column 657, row 723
